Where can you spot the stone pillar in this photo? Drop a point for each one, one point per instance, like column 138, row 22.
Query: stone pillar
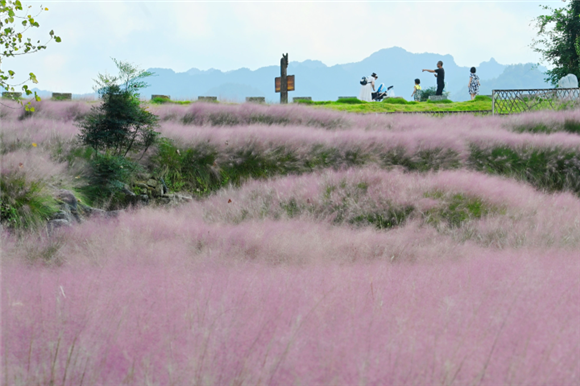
column 61, row 96
column 207, row 99
column 256, row 99
column 12, row 95
column 155, row 96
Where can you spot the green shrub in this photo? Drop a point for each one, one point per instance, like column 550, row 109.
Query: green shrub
column 24, row 204
column 350, row 101
column 481, row 98
column 160, row 100
column 441, row 101
column 119, row 125
column 395, row 101
column 427, row 92
column 108, row 177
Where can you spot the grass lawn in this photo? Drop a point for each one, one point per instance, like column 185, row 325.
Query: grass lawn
column 401, row 105
column 388, row 105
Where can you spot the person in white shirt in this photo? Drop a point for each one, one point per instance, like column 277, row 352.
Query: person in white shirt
column 367, row 89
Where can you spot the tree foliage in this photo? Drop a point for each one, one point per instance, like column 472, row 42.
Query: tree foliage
column 559, row 40
column 119, row 124
column 130, row 78
column 15, row 22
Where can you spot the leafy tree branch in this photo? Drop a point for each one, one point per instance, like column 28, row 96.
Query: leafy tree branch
column 15, row 22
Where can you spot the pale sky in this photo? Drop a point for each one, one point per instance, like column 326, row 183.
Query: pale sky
column 228, row 35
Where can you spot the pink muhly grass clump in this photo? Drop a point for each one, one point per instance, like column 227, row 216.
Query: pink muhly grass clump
column 46, row 133
column 554, row 120
column 516, row 214
column 300, row 140
column 203, row 114
column 293, row 220
column 147, row 234
column 33, row 162
column 46, row 109
column 495, row 318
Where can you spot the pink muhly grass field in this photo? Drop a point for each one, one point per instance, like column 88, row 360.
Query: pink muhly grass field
column 162, row 296
column 298, row 129
column 276, row 283
column 495, row 318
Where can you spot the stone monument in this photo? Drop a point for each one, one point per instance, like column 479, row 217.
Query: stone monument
column 569, row 81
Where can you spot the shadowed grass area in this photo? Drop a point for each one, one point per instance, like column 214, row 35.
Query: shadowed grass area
column 569, row 126
column 550, row 169
column 456, row 209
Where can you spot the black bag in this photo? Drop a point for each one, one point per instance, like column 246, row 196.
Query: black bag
column 363, row 81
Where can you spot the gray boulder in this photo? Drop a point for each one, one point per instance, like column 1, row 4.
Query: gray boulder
column 57, row 223
column 569, row 81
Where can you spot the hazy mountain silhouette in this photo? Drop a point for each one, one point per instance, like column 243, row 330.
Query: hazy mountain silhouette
column 395, row 67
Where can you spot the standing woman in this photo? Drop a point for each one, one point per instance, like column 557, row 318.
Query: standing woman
column 367, row 89
column 473, row 84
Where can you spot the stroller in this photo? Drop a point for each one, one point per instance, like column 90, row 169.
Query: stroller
column 382, row 93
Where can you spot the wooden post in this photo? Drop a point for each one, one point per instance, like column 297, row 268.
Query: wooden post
column 284, row 81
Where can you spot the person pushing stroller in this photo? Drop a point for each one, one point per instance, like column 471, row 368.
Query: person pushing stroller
column 367, row 87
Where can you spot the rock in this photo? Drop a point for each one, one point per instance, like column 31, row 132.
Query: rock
column 90, row 211
column 140, row 184
column 438, row 98
column 61, row 96
column 143, row 199
column 12, row 95
column 64, row 214
column 128, row 191
column 183, row 198
column 152, row 183
column 157, row 191
column 207, row 99
column 69, row 207
column 175, row 199
column 569, row 81
column 57, row 223
column 143, row 176
column 68, row 198
column 113, row 213
column 255, row 100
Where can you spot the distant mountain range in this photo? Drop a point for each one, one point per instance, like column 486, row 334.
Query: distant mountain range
column 394, row 66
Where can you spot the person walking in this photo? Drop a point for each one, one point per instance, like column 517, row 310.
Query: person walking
column 367, row 89
column 473, row 84
column 417, row 91
column 440, row 75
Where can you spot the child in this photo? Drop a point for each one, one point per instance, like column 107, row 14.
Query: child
column 417, row 91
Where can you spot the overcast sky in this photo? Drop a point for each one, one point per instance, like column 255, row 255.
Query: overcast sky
column 228, row 35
